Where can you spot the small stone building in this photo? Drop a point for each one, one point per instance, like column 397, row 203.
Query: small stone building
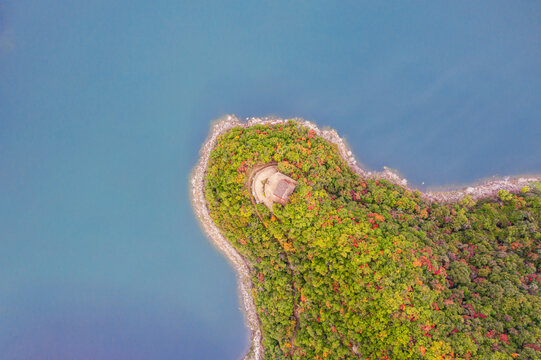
column 270, row 186
column 282, row 191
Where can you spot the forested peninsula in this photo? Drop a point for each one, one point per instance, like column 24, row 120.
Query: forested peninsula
column 355, row 265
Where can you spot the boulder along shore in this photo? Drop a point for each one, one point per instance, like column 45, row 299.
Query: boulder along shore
column 484, row 189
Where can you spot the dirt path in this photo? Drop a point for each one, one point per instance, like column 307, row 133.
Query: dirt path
column 297, row 322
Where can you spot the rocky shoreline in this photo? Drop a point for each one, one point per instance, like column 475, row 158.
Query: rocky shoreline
column 242, row 268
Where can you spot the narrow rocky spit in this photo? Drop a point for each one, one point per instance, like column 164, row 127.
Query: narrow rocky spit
column 483, row 190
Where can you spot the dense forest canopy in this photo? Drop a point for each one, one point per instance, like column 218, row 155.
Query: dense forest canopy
column 355, row 268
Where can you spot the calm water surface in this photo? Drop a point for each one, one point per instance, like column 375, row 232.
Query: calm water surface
column 104, row 105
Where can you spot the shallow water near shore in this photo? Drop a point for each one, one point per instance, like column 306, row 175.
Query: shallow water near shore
column 104, row 107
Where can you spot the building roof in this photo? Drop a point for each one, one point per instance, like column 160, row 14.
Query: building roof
column 283, row 190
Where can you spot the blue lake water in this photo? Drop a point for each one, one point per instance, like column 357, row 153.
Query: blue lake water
column 104, row 105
